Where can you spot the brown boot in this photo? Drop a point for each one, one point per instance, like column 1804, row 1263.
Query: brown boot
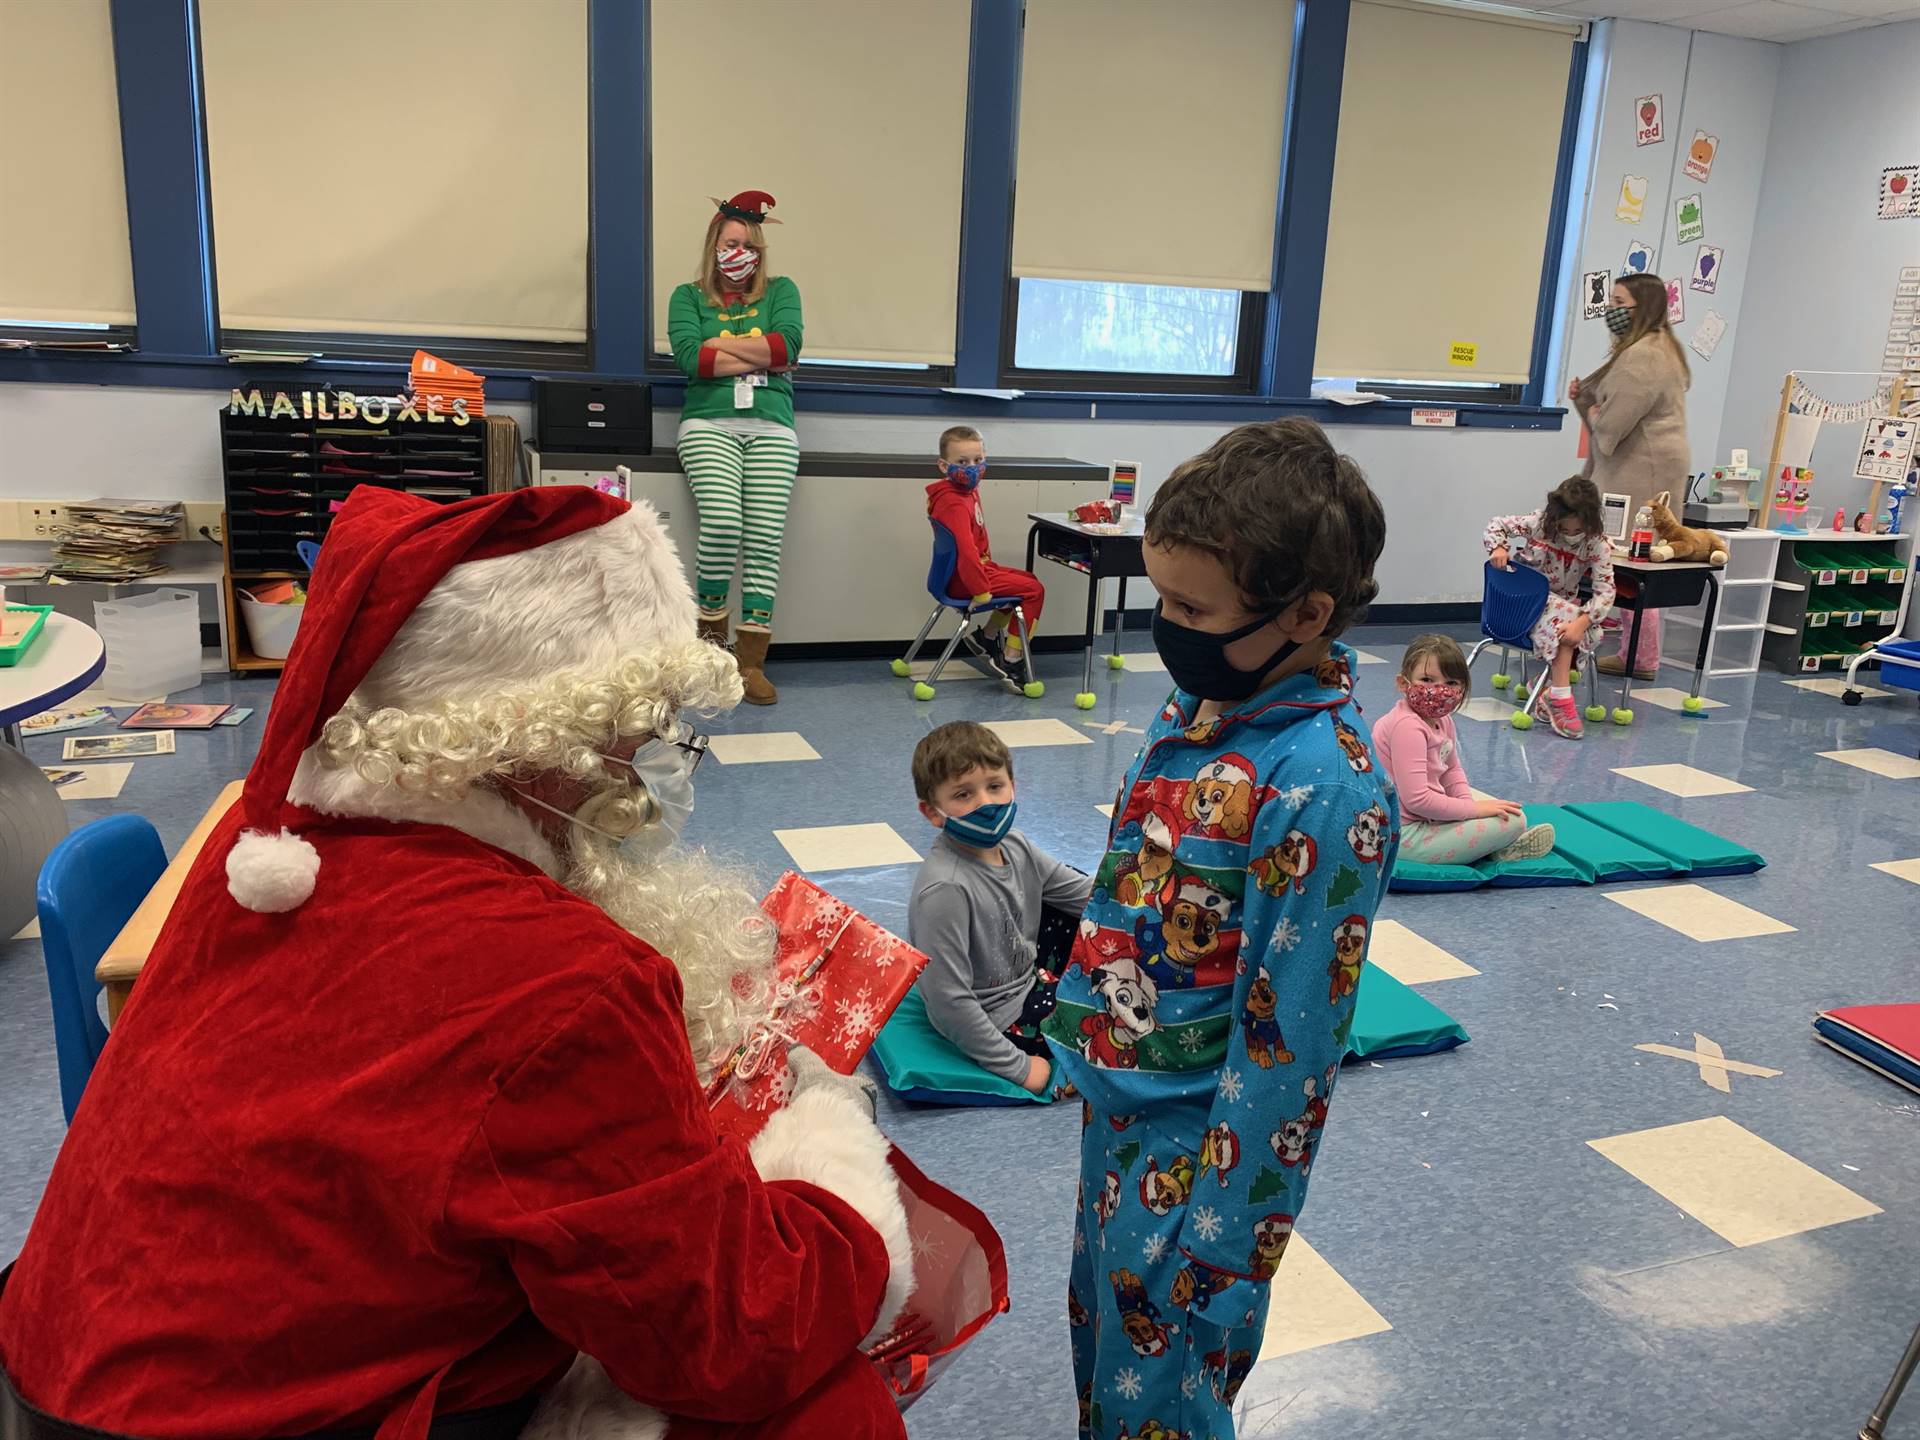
column 714, row 630
column 750, row 649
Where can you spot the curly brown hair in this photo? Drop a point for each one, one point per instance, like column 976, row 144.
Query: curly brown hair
column 1575, row 498
column 1283, row 511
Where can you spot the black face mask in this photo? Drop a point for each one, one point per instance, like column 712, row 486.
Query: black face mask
column 1197, row 663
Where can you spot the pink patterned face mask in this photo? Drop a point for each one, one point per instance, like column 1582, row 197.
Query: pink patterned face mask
column 1433, row 702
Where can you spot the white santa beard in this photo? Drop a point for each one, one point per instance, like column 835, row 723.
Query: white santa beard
column 702, row 916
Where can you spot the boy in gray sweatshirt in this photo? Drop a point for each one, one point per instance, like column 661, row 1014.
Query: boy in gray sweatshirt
column 976, row 906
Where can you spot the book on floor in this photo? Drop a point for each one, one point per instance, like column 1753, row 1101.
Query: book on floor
column 170, row 716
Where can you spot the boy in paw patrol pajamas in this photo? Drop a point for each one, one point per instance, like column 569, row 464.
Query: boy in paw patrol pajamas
column 1205, row 1008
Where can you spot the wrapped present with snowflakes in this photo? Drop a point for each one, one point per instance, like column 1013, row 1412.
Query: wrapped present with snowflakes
column 839, row 977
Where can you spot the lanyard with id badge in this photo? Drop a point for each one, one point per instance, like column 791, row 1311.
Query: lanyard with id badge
column 744, row 386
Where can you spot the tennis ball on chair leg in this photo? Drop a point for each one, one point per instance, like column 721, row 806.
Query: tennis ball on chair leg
column 1522, row 720
column 1083, row 701
column 900, row 668
column 1501, row 681
column 1596, row 713
column 1622, row 716
column 922, row 690
column 1034, row 689
column 1116, row 662
column 1693, row 705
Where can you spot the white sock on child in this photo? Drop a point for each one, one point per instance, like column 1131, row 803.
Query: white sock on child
column 1560, row 692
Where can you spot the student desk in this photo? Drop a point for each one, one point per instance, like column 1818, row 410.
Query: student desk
column 123, row 960
column 1100, row 552
column 1658, row 585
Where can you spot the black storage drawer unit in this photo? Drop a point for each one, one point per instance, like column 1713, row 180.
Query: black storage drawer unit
column 614, row 417
column 284, row 475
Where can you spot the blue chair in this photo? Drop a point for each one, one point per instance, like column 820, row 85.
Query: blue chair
column 89, row 888
column 1511, row 602
column 946, row 559
column 308, row 551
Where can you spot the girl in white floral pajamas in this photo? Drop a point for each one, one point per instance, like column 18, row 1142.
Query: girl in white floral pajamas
column 1566, row 541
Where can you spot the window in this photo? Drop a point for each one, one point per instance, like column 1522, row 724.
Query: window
column 1093, row 325
column 1488, row 92
column 403, row 172
column 1143, row 244
column 64, row 259
column 853, row 116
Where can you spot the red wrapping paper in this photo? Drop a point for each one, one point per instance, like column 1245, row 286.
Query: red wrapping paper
column 840, row 975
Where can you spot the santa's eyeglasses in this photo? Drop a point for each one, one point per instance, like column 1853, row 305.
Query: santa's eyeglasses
column 684, row 738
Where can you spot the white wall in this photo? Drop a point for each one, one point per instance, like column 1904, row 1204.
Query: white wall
column 1438, row 486
column 1824, row 266
column 1717, row 83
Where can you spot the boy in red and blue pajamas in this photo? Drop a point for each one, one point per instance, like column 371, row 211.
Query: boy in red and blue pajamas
column 1203, row 1015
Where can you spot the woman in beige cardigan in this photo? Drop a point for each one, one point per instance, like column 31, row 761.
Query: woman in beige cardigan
column 1635, row 409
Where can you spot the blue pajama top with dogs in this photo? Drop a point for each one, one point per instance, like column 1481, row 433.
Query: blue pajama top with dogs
column 1203, row 1016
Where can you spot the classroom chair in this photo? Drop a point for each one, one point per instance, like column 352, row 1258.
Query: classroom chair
column 1510, row 604
column 89, row 886
column 939, row 577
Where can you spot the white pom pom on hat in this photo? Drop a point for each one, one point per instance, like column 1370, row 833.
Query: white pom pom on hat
column 271, row 874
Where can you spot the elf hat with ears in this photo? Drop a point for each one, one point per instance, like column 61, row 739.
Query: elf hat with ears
column 414, row 604
column 749, row 205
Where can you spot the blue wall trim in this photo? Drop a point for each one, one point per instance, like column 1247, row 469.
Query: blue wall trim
column 986, row 201
column 1551, row 286
column 156, row 55
column 619, row 158
column 1306, row 195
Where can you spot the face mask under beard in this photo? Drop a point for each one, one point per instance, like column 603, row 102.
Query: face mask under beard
column 700, row 914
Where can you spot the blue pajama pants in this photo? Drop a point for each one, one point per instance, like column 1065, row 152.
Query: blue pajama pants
column 1155, row 1357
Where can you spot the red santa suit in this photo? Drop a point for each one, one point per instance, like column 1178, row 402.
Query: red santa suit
column 394, row 1123
column 974, row 571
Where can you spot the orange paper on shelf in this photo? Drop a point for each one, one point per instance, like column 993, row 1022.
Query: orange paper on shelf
column 436, row 380
column 840, row 977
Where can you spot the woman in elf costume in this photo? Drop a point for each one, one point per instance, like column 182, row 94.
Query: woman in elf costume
column 735, row 332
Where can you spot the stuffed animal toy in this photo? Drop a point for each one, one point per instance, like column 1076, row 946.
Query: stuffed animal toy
column 1682, row 542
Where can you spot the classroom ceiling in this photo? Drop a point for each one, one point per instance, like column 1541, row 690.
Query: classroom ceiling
column 1755, row 19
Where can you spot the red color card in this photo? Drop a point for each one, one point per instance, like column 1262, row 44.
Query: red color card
column 840, row 977
column 163, row 716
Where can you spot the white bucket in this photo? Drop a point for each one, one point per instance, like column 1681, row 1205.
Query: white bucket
column 270, row 628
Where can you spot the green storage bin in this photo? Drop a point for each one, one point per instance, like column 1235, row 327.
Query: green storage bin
column 16, row 652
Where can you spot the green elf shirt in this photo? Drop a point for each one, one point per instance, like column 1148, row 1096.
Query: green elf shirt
column 692, row 320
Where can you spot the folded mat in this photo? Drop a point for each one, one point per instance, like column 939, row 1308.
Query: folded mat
column 922, row 1065
column 1695, row 851
column 1593, row 844
column 1881, row 1037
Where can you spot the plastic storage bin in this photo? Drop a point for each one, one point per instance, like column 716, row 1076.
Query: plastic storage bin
column 270, row 627
column 152, row 642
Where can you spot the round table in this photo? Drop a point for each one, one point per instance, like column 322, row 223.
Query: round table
column 67, row 657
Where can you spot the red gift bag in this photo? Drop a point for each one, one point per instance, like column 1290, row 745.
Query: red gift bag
column 960, row 1283
column 840, row 977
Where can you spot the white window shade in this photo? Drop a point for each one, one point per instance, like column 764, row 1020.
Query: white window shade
column 1150, row 139
column 415, row 167
column 1442, row 192
column 853, row 116
column 63, row 192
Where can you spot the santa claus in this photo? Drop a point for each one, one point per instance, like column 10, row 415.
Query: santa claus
column 407, row 1107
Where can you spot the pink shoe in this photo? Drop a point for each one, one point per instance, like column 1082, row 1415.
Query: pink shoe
column 1563, row 715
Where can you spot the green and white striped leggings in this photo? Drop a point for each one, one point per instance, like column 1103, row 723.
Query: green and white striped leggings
column 742, row 484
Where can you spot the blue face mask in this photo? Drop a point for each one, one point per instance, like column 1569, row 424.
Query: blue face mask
column 983, row 828
column 967, row 477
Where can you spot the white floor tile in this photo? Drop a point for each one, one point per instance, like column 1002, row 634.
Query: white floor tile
column 1367, row 657
column 1019, row 733
column 1740, row 1187
column 1107, row 810
column 761, row 749
column 1836, row 685
column 1876, row 761
column 31, row 931
column 1697, row 912
column 1901, row 869
column 1682, row 780
column 1485, row 707
column 1144, row 662
column 846, row 847
column 957, row 669
column 1668, row 697
column 1312, row 1306
column 1410, row 958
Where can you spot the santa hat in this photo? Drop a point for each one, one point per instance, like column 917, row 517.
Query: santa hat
column 1231, row 768
column 414, row 604
column 1203, row 896
column 1160, row 826
column 749, row 205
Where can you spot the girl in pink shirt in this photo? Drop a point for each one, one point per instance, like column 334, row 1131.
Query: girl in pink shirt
column 1441, row 822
